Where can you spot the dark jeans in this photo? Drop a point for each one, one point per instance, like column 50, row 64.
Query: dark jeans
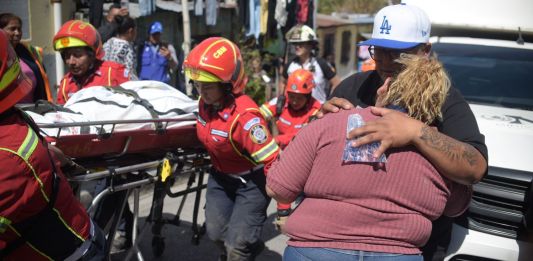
column 331, row 254
column 235, row 213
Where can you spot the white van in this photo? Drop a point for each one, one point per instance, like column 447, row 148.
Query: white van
column 496, row 78
column 487, row 49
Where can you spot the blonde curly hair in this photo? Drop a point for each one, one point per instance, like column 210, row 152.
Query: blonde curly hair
column 420, row 88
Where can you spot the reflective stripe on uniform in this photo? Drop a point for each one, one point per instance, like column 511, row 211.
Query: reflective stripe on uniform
column 10, row 75
column 265, row 152
column 24, row 152
column 4, row 223
column 63, row 87
column 265, row 112
column 233, row 144
column 109, row 76
column 28, row 145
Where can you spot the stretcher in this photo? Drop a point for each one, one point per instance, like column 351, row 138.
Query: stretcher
column 131, row 159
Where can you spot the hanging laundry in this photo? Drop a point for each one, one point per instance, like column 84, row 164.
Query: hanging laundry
column 303, row 11
column 211, row 12
column 244, row 15
column 146, row 7
column 264, row 16
column 254, row 19
column 281, row 12
column 198, row 7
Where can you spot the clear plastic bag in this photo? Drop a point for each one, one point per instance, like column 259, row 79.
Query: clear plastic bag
column 362, row 153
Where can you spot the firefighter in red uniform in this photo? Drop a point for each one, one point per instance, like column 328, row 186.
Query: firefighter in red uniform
column 234, row 133
column 297, row 111
column 292, row 117
column 40, row 219
column 81, row 49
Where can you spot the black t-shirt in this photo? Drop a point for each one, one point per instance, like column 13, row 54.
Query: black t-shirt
column 458, row 121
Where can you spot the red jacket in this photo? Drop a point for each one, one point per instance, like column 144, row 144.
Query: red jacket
column 236, row 137
column 289, row 122
column 26, row 179
column 106, row 74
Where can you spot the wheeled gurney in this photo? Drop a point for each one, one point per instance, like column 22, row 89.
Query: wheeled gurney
column 144, row 156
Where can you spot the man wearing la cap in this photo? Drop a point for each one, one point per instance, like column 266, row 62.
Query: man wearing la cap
column 453, row 145
column 40, row 219
column 81, row 49
column 156, row 58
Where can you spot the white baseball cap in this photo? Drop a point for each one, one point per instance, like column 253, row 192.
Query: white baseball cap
column 400, row 27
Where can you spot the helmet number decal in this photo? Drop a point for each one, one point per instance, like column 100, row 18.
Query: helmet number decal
column 220, row 52
column 258, row 134
column 65, row 41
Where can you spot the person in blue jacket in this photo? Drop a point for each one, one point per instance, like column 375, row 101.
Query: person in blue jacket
column 157, row 59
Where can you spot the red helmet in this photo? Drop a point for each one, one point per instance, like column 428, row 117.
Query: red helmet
column 77, row 33
column 14, row 85
column 216, row 59
column 300, row 81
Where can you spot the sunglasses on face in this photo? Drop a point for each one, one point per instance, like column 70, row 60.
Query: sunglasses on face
column 393, row 54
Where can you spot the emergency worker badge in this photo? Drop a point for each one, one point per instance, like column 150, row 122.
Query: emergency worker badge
column 258, row 134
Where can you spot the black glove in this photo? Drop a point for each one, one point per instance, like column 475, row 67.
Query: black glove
column 281, row 218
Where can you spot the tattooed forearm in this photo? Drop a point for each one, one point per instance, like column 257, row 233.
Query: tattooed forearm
column 455, row 150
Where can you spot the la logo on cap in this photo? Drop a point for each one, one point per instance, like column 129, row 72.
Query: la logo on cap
column 385, row 27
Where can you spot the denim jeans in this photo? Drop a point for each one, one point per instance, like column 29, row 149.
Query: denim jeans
column 235, row 212
column 331, row 254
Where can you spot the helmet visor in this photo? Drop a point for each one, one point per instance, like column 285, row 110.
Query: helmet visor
column 201, row 75
column 67, row 42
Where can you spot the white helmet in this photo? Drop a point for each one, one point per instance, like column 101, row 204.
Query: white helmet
column 301, row 33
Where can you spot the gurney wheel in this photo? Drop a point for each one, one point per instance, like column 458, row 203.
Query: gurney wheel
column 158, row 246
column 195, row 239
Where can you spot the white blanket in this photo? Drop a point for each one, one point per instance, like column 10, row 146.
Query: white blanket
column 107, row 104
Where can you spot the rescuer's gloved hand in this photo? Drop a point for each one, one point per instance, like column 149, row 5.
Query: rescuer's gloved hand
column 281, row 218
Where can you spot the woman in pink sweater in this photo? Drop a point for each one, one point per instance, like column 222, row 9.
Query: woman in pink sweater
column 356, row 205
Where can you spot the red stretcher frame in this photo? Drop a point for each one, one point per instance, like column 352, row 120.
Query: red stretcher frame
column 118, row 143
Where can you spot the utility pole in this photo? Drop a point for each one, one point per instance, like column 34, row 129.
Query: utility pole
column 186, row 38
column 60, row 68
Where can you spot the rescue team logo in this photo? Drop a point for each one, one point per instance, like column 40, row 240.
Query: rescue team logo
column 258, row 134
column 220, row 52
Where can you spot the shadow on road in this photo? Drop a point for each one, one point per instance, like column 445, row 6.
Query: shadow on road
column 178, row 243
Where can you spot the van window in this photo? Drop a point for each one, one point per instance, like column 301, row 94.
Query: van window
column 490, row 75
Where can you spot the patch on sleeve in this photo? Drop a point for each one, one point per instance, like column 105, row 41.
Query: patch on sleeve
column 258, row 134
column 126, row 73
column 251, row 123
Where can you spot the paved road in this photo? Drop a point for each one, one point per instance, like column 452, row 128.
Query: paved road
column 178, row 244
